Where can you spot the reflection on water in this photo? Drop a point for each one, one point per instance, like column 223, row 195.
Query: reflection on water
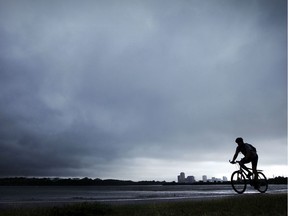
column 34, row 194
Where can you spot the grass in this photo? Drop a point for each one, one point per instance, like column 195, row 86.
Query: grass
column 260, row 204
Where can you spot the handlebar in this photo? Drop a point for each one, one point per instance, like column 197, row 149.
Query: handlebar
column 233, row 162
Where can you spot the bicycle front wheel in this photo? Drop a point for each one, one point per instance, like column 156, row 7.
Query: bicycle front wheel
column 238, row 182
column 262, row 183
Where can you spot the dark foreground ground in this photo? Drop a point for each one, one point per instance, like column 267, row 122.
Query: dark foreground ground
column 247, row 204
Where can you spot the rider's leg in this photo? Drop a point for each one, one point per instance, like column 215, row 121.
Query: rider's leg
column 254, row 167
column 242, row 163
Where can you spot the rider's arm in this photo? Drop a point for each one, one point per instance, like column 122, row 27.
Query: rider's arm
column 236, row 154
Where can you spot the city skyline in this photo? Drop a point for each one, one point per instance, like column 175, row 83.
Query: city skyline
column 191, row 179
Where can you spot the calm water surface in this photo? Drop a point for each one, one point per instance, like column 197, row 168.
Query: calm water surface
column 58, row 194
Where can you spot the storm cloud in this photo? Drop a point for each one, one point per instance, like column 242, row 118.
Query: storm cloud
column 141, row 89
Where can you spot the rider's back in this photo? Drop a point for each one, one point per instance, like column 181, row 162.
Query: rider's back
column 246, row 147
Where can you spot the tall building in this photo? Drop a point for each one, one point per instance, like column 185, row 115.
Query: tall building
column 181, row 178
column 225, row 178
column 204, row 178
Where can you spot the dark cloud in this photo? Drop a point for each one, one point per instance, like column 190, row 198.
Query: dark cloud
column 105, row 89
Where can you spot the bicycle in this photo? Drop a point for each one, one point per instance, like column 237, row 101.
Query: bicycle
column 240, row 177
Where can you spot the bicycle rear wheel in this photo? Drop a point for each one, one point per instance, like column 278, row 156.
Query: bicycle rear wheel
column 238, row 182
column 262, row 183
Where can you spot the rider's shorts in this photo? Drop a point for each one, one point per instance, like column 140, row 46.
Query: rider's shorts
column 253, row 160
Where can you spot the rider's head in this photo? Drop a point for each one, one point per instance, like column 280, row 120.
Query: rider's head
column 239, row 140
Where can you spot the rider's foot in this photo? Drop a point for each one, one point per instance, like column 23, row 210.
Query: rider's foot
column 256, row 184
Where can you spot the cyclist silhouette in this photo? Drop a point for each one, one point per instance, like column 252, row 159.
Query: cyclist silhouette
column 250, row 155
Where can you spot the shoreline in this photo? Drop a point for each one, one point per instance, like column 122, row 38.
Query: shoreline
column 31, row 197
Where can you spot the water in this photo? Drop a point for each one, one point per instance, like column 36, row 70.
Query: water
column 111, row 194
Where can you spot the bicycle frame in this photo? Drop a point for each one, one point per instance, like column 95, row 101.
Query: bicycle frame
column 242, row 170
column 245, row 173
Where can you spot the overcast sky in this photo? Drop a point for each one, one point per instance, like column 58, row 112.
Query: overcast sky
column 141, row 89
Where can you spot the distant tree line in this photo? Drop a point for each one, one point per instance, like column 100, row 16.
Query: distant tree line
column 278, row 180
column 23, row 181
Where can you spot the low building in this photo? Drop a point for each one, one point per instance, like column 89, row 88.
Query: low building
column 190, row 179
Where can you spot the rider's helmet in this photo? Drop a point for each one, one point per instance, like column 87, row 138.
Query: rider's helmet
column 239, row 140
